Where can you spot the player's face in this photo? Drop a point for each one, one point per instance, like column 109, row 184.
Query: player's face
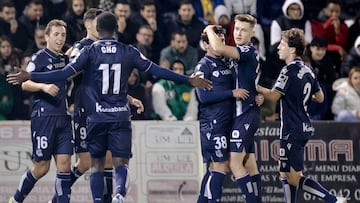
column 283, row 50
column 210, row 51
column 78, row 6
column 56, row 38
column 355, row 80
column 317, row 53
column 91, row 28
column 242, row 32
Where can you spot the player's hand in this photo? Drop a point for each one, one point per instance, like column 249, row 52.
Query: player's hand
column 199, row 81
column 240, row 93
column 259, row 99
column 19, row 77
column 50, row 89
column 136, row 102
column 209, row 27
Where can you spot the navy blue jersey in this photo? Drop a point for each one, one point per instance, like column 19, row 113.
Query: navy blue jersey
column 297, row 83
column 78, row 87
column 44, row 104
column 246, row 69
column 107, row 65
column 216, row 105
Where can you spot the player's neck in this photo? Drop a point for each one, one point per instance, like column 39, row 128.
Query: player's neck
column 291, row 58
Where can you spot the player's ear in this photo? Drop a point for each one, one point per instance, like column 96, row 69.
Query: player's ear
column 292, row 50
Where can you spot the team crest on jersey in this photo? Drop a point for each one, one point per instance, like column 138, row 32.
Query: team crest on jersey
column 208, row 135
column 216, row 73
column 244, row 48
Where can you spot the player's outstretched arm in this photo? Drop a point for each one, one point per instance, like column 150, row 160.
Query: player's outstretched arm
column 19, row 77
column 318, row 96
column 31, row 86
column 198, row 81
column 271, row 95
column 136, row 102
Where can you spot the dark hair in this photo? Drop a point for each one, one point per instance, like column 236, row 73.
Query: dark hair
column 217, row 29
column 177, row 32
column 295, row 38
column 333, row 2
column 255, row 41
column 184, row 2
column 91, row 14
column 35, row 2
column 122, row 2
column 106, row 22
column 6, row 4
column 147, row 3
column 177, row 61
column 319, row 42
column 56, row 23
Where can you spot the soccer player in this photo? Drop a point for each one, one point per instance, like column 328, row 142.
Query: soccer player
column 244, row 61
column 51, row 132
column 216, row 116
column 83, row 156
column 295, row 86
column 107, row 65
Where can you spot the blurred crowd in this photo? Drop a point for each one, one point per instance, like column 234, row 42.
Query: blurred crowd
column 168, row 33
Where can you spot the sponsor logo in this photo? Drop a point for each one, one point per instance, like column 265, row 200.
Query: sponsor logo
column 101, row 109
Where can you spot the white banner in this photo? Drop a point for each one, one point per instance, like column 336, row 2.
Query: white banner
column 166, row 166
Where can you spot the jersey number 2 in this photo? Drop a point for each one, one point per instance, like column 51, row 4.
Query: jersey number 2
column 105, row 68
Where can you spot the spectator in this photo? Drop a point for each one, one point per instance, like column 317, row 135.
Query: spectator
column 33, row 17
column 75, row 25
column 352, row 59
column 354, row 32
column 241, row 7
column 136, row 90
column 222, row 17
column 346, row 104
column 267, row 11
column 6, row 91
column 38, row 43
column 186, row 22
column 293, row 17
column 6, row 96
column 148, row 16
column 175, row 101
column 179, row 49
column 204, row 10
column 9, row 59
column 330, row 26
column 325, row 71
column 145, row 45
column 106, row 5
column 127, row 28
column 11, row 27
